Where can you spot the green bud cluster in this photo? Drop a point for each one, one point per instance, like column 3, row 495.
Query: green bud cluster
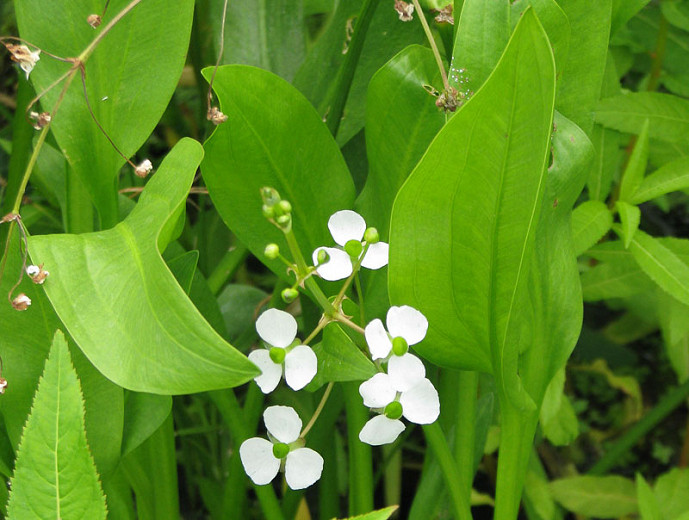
column 289, row 295
column 276, row 209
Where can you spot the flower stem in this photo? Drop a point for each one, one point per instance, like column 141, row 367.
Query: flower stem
column 92, row 46
column 227, row 266
column 318, row 411
column 465, row 428
column 431, row 41
column 360, row 456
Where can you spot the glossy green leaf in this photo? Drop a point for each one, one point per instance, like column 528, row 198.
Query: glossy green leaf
column 648, row 505
column 590, row 221
column 555, row 23
column 183, row 268
column 339, row 359
column 630, row 217
column 128, row 96
column 614, row 280
column 662, row 265
column 122, row 305
column 238, row 305
column 672, row 491
column 285, row 146
column 558, row 420
column 54, row 475
column 668, row 115
column 636, row 166
column 144, row 414
column 602, row 497
column 579, row 86
column 482, row 32
column 463, row 225
column 671, row 177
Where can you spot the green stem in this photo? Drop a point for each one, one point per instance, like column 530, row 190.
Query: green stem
column 465, row 428
column 345, row 75
column 453, row 479
column 360, row 456
column 431, row 41
column 79, row 217
column 517, row 429
column 649, row 421
column 227, row 267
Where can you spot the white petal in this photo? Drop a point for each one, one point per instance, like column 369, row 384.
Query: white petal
column 377, row 391
column 283, row 423
column 378, row 341
column 408, row 323
column 420, row 404
column 303, row 467
column 405, row 371
column 277, row 328
column 301, row 364
column 381, row 430
column 271, row 372
column 258, row 460
column 346, row 225
column 338, row 267
column 376, row 256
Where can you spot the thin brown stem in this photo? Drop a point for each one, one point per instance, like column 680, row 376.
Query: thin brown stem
column 46, row 90
column 22, row 40
column 217, row 63
column 431, row 41
column 92, row 46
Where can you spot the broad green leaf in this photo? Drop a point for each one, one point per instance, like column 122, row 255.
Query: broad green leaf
column 130, row 78
column 285, row 146
column 662, row 265
column 381, row 514
column 482, row 32
column 269, row 34
column 648, row 504
column 676, row 12
column 671, row 177
column 579, row 86
column 590, row 221
column 238, row 305
column 122, row 305
column 339, row 359
column 672, row 492
column 602, row 497
column 463, row 225
column 183, row 268
column 668, row 115
column 558, row 420
column 636, row 166
column 386, row 36
column 144, row 414
column 54, row 476
column 555, row 23
column 623, row 10
column 619, row 278
column 630, row 216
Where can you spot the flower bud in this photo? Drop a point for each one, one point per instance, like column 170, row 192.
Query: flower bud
column 270, row 196
column 268, row 211
column 285, row 206
column 284, row 220
column 94, row 20
column 272, row 251
column 323, row 257
column 371, row 236
column 215, row 116
column 289, row 295
column 354, row 248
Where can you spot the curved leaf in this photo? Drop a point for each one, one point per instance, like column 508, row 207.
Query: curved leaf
column 283, row 145
column 602, row 497
column 671, row 177
column 55, row 476
column 590, row 221
column 130, row 78
column 463, row 225
column 122, row 305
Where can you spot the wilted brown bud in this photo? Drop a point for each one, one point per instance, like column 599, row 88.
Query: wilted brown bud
column 404, row 10
column 94, row 20
column 21, row 302
column 449, row 100
column 24, row 56
column 9, row 218
column 445, row 15
column 39, row 120
column 3, row 385
column 143, row 169
column 216, row 116
column 37, row 273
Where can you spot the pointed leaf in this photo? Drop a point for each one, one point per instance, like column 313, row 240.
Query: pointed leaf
column 590, row 221
column 122, row 305
column 672, row 492
column 671, row 177
column 55, row 476
column 602, row 497
column 380, row 514
column 630, row 216
column 636, row 167
column 648, row 505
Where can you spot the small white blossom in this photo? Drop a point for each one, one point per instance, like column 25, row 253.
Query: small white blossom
column 403, row 322
column 262, row 459
column 404, row 391
column 279, row 330
column 37, row 273
column 348, row 226
column 143, row 169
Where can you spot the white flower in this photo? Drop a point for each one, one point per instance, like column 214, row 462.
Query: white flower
column 262, row 459
column 403, row 322
column 404, row 391
column 143, row 168
column 347, row 228
column 279, row 329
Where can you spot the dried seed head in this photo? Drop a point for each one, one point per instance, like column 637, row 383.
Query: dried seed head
column 37, row 273
column 449, row 100
column 21, row 302
column 404, row 10
column 216, row 116
column 94, row 20
column 143, row 169
column 445, row 15
column 39, row 120
column 3, row 385
column 24, row 56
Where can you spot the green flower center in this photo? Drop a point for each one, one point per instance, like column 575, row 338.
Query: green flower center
column 280, row 450
column 393, row 410
column 399, row 346
column 277, row 354
column 354, row 248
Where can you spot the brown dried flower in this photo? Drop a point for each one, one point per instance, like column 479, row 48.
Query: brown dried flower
column 40, row 120
column 143, row 169
column 21, row 302
column 9, row 218
column 445, row 15
column 37, row 273
column 24, row 56
column 3, row 385
column 94, row 20
column 216, row 116
column 404, row 10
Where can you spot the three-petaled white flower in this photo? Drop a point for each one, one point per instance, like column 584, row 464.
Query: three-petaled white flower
column 348, row 228
column 279, row 330
column 262, row 459
column 406, row 326
column 403, row 391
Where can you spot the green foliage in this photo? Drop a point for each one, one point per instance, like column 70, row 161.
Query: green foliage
column 602, row 497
